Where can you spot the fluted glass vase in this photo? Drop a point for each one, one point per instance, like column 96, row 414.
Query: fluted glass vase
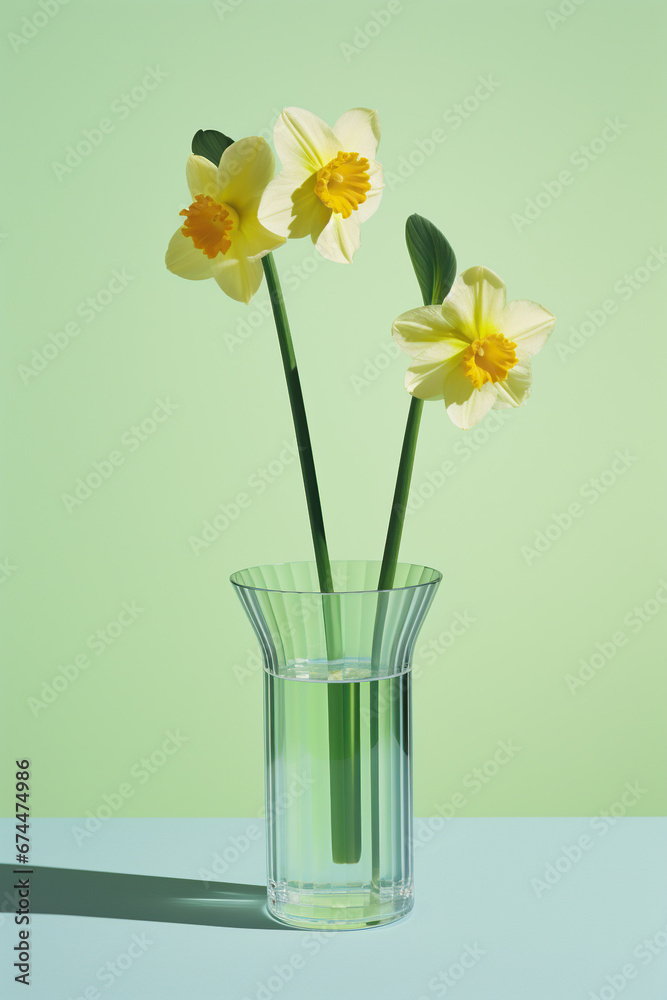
column 338, row 737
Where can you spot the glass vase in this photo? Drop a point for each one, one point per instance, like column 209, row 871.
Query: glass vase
column 338, row 737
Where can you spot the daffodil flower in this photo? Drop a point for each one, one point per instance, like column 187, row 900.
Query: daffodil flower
column 474, row 350
column 222, row 237
column 330, row 182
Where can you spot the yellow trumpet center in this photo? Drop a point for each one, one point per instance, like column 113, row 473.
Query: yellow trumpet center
column 489, row 359
column 343, row 184
column 209, row 225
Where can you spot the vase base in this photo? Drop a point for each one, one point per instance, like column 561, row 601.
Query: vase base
column 351, row 908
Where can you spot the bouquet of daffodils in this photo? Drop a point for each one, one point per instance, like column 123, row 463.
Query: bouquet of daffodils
column 468, row 346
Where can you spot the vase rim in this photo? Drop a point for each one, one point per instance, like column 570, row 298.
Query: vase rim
column 235, row 578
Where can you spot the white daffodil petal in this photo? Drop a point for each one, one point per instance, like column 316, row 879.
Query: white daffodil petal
column 475, row 303
column 372, row 203
column 466, row 405
column 426, row 380
column 290, row 207
column 276, row 208
column 302, row 139
column 202, row 177
column 425, row 330
column 182, row 258
column 359, row 132
column 340, row 239
column 246, row 167
column 309, row 214
column 237, row 276
column 515, row 388
column 528, row 324
column 259, row 241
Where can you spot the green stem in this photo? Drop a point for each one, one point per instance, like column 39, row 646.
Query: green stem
column 300, row 425
column 344, row 710
column 405, row 466
column 386, row 582
column 343, row 699
column 401, row 493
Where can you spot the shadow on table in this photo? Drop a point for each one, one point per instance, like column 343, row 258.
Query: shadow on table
column 145, row 897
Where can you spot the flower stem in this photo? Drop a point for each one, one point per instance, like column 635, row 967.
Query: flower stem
column 435, row 281
column 401, row 493
column 343, row 699
column 386, row 582
column 300, row 425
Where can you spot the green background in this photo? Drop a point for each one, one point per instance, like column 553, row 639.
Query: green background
column 187, row 662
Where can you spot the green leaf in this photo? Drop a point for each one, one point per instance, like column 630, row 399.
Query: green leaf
column 432, row 258
column 211, row 144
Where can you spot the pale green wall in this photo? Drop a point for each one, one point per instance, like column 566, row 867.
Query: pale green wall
column 180, row 664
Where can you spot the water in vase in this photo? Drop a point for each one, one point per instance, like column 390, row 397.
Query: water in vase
column 339, row 849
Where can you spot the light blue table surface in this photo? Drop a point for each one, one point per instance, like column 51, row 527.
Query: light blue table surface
column 506, row 909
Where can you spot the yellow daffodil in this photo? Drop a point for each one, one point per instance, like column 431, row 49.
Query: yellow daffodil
column 222, row 237
column 330, row 181
column 474, row 350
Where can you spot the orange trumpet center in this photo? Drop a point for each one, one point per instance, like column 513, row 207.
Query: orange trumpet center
column 344, row 183
column 209, row 225
column 489, row 359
